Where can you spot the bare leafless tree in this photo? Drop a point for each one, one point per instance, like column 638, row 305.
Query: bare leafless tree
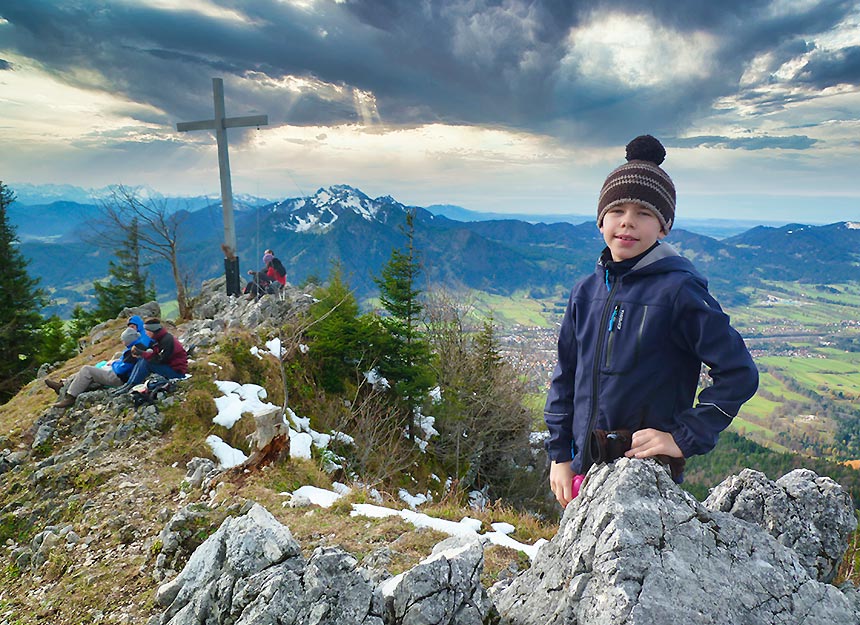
column 159, row 231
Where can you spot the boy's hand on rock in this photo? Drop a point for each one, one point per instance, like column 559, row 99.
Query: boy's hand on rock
column 561, row 481
column 650, row 442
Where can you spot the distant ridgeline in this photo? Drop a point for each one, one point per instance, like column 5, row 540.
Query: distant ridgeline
column 342, row 224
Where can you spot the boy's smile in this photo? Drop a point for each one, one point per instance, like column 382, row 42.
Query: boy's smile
column 630, row 229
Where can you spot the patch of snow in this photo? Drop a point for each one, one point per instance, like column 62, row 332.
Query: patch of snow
column 226, row 386
column 467, row 527
column 426, row 423
column 503, row 528
column 341, row 489
column 304, row 348
column 274, row 347
column 237, row 400
column 227, row 456
column 302, row 423
column 342, row 437
column 413, row 501
column 229, row 410
column 300, row 445
column 436, row 395
column 320, row 440
column 852, row 225
column 375, row 379
column 319, row 496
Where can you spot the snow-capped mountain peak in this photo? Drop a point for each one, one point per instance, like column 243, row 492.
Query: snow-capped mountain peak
column 321, row 210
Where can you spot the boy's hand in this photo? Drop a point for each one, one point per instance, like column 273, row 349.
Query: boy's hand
column 650, row 442
column 561, row 481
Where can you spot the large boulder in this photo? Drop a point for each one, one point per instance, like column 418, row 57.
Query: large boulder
column 813, row 515
column 635, row 549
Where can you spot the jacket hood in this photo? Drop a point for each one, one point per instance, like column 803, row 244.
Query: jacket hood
column 138, row 322
column 662, row 259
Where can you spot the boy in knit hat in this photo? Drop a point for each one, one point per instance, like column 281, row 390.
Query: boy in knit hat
column 633, row 339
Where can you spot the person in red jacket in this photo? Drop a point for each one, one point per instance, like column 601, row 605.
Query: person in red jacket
column 166, row 356
column 269, row 279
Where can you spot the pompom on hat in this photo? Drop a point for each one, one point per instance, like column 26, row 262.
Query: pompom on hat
column 641, row 180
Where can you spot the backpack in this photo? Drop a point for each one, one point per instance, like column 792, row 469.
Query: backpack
column 149, row 391
column 279, row 267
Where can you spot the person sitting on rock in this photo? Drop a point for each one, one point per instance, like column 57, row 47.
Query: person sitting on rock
column 115, row 372
column 165, row 357
column 270, row 279
column 136, row 322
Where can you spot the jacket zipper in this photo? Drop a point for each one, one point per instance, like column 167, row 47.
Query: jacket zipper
column 613, row 325
column 595, row 373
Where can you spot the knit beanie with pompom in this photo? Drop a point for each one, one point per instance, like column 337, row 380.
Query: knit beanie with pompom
column 641, row 180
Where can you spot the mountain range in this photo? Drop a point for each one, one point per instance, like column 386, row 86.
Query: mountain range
column 341, row 224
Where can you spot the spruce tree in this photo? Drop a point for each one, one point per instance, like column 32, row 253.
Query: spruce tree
column 342, row 341
column 20, row 303
column 407, row 359
column 127, row 286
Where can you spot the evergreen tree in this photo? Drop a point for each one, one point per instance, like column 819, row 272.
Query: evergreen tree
column 407, row 358
column 343, row 343
column 55, row 342
column 127, row 286
column 20, row 303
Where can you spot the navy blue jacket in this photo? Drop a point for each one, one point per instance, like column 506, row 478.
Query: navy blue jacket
column 630, row 350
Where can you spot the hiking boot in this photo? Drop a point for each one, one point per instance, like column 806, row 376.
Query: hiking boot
column 65, row 402
column 53, row 385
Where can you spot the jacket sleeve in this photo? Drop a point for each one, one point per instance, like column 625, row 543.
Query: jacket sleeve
column 558, row 412
column 165, row 349
column 704, row 329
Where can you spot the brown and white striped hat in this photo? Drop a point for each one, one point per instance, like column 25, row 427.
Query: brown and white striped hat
column 642, row 181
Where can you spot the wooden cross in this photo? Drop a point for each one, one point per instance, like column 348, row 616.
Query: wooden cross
column 220, row 124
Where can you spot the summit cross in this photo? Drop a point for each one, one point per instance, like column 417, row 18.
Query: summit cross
column 220, row 125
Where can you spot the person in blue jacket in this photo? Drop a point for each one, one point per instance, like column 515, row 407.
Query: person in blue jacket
column 634, row 337
column 114, row 372
column 136, row 322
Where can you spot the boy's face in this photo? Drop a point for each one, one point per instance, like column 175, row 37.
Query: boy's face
column 630, row 229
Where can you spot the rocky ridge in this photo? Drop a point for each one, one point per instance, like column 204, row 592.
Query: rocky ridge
column 633, row 548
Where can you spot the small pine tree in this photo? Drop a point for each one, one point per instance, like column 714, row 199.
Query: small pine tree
column 20, row 303
column 55, row 343
column 127, row 286
column 341, row 340
column 407, row 359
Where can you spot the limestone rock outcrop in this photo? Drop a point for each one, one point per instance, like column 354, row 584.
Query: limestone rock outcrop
column 251, row 571
column 635, row 549
column 813, row 515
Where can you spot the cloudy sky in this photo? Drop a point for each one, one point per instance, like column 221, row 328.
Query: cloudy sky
column 506, row 106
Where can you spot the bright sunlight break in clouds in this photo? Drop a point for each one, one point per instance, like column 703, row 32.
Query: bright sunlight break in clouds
column 515, row 106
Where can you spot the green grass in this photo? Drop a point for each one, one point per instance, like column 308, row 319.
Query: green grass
column 517, row 309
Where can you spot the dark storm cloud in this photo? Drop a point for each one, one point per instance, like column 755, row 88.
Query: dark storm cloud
column 464, row 61
column 828, row 69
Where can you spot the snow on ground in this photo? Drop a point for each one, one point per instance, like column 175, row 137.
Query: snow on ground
column 467, row 526
column 227, row 456
column 246, row 398
column 239, row 399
